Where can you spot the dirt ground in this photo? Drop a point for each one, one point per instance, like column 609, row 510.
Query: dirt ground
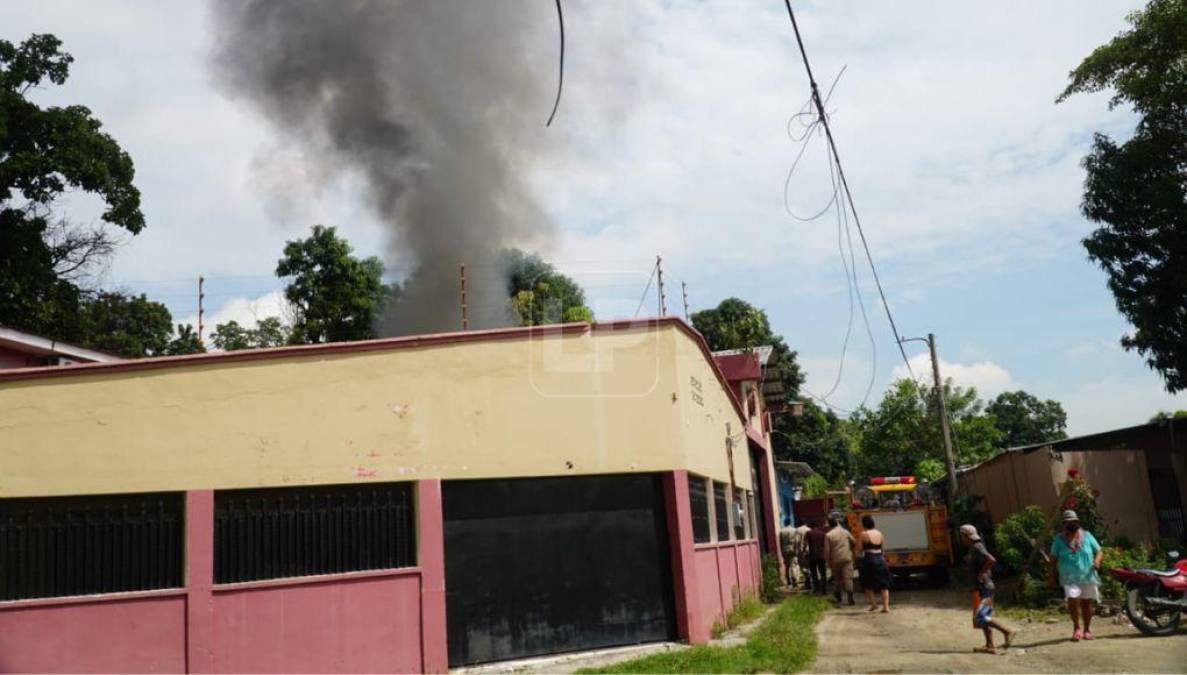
column 931, row 631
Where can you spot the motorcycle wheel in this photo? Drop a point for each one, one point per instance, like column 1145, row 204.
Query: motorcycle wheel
column 1150, row 619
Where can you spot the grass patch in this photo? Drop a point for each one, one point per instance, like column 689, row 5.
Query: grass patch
column 784, row 643
column 744, row 612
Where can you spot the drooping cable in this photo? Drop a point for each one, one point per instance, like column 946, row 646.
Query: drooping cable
column 823, row 119
column 560, row 81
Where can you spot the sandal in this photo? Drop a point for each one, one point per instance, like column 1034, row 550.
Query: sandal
column 1088, row 635
column 1076, row 635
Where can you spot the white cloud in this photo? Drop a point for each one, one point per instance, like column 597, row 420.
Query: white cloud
column 246, row 311
column 1113, row 402
column 989, row 378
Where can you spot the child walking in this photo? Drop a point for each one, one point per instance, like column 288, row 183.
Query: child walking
column 981, row 567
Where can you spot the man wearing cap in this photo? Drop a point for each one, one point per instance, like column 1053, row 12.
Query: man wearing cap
column 981, row 569
column 1076, row 555
column 838, row 555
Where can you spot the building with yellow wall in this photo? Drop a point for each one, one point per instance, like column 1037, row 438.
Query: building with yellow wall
column 504, row 493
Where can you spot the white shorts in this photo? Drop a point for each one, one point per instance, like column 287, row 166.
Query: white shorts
column 1081, row 592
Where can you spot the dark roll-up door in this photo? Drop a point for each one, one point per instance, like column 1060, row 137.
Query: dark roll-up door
column 546, row 565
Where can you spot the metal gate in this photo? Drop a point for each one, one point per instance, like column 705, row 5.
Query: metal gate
column 547, row 565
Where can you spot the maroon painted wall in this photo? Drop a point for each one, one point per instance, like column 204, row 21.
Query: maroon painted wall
column 380, row 621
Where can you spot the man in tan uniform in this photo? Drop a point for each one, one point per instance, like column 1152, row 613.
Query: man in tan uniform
column 838, row 555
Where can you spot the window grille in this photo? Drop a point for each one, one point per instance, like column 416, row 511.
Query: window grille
column 721, row 512
column 698, row 499
column 83, row 545
column 300, row 531
column 739, row 512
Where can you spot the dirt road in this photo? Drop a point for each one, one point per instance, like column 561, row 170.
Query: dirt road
column 931, row 632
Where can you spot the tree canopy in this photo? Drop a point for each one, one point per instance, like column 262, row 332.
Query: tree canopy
column 539, row 295
column 898, row 436
column 335, row 296
column 46, row 152
column 1137, row 190
column 1025, row 420
column 268, row 332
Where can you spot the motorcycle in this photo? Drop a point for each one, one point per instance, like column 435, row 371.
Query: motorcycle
column 1155, row 599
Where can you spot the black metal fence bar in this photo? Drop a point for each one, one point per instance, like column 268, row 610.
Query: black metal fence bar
column 65, row 546
column 300, row 531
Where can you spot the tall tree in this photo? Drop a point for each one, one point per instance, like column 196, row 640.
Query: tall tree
column 539, row 294
column 817, row 437
column 1137, row 190
column 737, row 324
column 45, row 152
column 1025, row 419
column 335, row 296
column 901, row 433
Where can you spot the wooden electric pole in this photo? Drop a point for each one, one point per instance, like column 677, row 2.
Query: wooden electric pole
column 943, row 406
column 465, row 319
column 659, row 276
column 684, row 291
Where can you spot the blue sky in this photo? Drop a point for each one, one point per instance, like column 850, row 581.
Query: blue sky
column 670, row 140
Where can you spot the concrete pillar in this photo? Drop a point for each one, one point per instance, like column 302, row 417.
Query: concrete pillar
column 199, row 580
column 690, row 623
column 430, row 528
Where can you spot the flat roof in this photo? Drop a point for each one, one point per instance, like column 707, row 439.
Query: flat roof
column 40, row 345
column 381, row 344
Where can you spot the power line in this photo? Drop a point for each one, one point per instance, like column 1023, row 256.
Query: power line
column 823, row 120
column 650, row 278
column 560, row 82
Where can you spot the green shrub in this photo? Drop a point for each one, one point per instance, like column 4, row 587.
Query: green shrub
column 770, row 579
column 1016, row 537
column 1112, row 591
column 814, row 487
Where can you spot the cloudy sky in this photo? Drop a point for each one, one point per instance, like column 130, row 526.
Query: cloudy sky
column 672, row 139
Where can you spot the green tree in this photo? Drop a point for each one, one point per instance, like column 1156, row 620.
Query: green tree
column 335, row 296
column 902, row 432
column 1137, row 190
column 1163, row 415
column 817, row 437
column 126, row 325
column 1024, row 419
column 736, row 324
column 45, row 152
column 184, row 342
column 231, row 336
column 539, row 294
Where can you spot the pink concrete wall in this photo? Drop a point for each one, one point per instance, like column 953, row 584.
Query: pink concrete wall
column 726, row 572
column 133, row 633
column 368, row 624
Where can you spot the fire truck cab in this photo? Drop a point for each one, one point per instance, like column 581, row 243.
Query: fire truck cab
column 914, row 526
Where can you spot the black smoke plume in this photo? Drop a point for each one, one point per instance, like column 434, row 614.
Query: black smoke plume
column 438, row 105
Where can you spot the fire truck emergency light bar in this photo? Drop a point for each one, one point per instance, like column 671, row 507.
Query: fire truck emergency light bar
column 892, row 480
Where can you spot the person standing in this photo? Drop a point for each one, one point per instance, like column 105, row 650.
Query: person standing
column 1075, row 555
column 817, row 543
column 838, row 555
column 980, row 564
column 875, row 573
column 800, row 550
column 787, row 544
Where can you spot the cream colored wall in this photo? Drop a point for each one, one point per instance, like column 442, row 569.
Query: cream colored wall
column 595, row 402
column 704, row 413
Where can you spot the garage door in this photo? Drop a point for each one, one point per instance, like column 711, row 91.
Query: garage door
column 545, row 565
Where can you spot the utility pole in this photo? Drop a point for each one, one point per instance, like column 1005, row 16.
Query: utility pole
column 948, row 459
column 684, row 290
column 663, row 308
column 201, row 305
column 465, row 319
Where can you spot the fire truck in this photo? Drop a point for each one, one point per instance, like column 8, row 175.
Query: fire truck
column 915, row 527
